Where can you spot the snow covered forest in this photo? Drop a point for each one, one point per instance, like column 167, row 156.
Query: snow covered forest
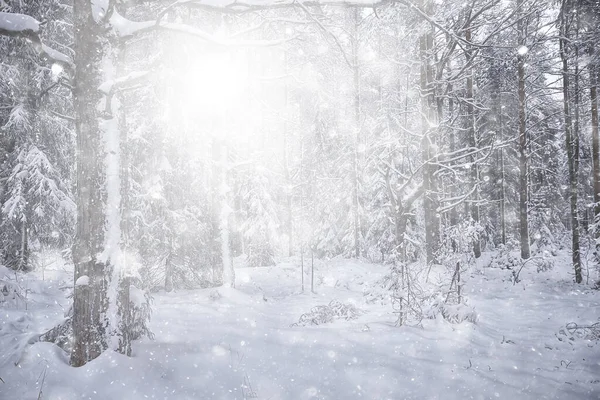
column 288, row 199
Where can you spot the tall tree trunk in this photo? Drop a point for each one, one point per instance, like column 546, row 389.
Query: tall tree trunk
column 593, row 76
column 453, row 147
column 522, row 143
column 286, row 165
column 498, row 104
column 356, row 167
column 429, row 127
column 125, row 312
column 570, row 142
column 228, row 271
column 24, row 248
column 472, row 142
column 218, row 267
column 91, row 252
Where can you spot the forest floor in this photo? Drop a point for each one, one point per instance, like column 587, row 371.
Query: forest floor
column 241, row 343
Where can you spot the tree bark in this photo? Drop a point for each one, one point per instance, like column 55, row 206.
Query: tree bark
column 473, row 143
column 522, row 143
column 570, row 143
column 593, row 76
column 356, row 177
column 90, row 303
column 429, row 126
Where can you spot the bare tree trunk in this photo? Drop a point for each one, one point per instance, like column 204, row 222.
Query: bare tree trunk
column 218, row 267
column 286, row 166
column 472, row 142
column 570, row 143
column 593, row 75
column 228, row 271
column 126, row 314
column 522, row 143
column 356, row 177
column 24, row 250
column 453, row 146
column 429, row 126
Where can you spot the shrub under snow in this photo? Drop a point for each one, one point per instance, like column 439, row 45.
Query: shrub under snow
column 324, row 314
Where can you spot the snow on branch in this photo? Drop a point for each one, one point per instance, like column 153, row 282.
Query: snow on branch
column 257, row 5
column 26, row 27
column 181, row 28
column 55, row 55
column 125, row 28
column 108, row 87
column 456, row 201
column 18, row 25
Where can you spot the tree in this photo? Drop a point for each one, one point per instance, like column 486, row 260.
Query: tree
column 568, row 18
column 522, row 142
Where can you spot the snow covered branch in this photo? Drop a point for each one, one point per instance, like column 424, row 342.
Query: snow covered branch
column 28, row 28
column 240, row 7
column 109, row 87
column 125, row 29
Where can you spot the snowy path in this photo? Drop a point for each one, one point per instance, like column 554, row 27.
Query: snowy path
column 211, row 347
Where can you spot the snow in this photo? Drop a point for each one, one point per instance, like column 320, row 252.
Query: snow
column 83, row 280
column 108, row 85
column 124, row 27
column 189, row 30
column 230, row 343
column 21, row 25
column 99, row 9
column 56, row 70
column 18, row 23
column 522, row 50
column 57, row 55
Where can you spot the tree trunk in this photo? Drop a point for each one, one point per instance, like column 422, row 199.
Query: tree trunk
column 228, row 271
column 593, row 74
column 473, row 143
column 522, row 143
column 453, row 147
column 570, row 143
column 429, row 125
column 92, row 53
column 500, row 129
column 356, row 177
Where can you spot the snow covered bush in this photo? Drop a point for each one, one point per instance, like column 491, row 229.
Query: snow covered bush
column 416, row 291
column 506, row 257
column 261, row 222
column 453, row 313
column 61, row 334
column 11, row 293
column 402, row 289
column 542, row 262
column 324, row 314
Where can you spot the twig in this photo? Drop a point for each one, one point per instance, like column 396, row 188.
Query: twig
column 42, row 385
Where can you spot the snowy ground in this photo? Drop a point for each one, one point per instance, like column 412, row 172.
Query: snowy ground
column 238, row 343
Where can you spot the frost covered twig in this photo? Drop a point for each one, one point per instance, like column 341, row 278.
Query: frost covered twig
column 587, row 332
column 247, row 389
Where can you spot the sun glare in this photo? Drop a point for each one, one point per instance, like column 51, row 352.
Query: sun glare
column 214, row 83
